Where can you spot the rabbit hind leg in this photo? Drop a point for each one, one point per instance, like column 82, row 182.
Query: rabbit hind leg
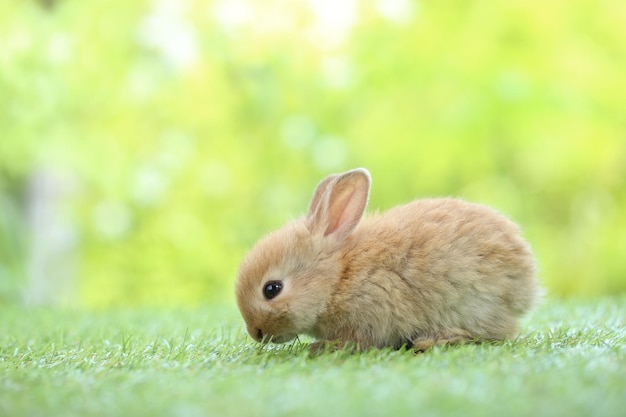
column 450, row 337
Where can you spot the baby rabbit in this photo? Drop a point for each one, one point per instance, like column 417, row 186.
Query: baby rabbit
column 430, row 272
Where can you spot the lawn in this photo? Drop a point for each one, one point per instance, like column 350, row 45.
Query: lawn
column 568, row 361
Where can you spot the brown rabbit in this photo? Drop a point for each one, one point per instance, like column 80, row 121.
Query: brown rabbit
column 429, row 272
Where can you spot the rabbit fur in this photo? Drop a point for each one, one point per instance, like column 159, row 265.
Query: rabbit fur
column 429, row 272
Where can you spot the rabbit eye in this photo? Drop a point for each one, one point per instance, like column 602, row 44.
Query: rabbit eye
column 272, row 289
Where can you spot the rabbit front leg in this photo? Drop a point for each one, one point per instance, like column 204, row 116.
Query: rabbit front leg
column 322, row 346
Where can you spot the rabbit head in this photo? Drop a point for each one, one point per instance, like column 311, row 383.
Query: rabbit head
column 288, row 278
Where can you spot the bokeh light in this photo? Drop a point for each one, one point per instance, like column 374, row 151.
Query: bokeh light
column 145, row 145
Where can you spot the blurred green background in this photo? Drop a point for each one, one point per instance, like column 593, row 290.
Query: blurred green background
column 145, row 145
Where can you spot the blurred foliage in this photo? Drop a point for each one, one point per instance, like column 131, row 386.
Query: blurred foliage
column 190, row 128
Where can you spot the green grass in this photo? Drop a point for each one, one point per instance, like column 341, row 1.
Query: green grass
column 569, row 361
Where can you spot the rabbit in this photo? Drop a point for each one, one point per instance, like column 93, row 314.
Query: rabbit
column 431, row 272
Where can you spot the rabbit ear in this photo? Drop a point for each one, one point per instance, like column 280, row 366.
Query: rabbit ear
column 319, row 194
column 339, row 203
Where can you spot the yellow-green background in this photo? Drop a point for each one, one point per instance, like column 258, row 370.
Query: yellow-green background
column 187, row 129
